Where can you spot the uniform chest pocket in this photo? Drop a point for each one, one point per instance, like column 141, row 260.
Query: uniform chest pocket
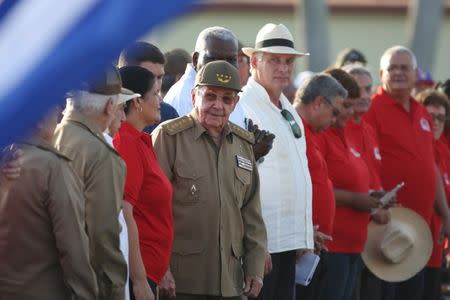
column 242, row 183
column 188, row 188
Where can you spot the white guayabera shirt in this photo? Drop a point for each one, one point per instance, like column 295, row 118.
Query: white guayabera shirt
column 286, row 189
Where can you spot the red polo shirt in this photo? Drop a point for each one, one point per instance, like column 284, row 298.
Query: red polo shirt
column 406, row 144
column 150, row 192
column 347, row 171
column 324, row 205
column 441, row 155
column 362, row 138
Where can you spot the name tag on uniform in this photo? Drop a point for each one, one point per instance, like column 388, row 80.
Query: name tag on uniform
column 425, row 125
column 354, row 152
column 244, row 163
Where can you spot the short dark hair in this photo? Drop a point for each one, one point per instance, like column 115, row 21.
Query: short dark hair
column 444, row 87
column 319, row 85
column 433, row 98
column 139, row 52
column 347, row 81
column 137, row 79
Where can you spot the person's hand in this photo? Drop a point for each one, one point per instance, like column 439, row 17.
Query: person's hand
column 268, row 263
column 319, row 240
column 252, row 287
column 379, row 194
column 382, row 216
column 142, row 290
column 263, row 140
column 167, row 285
column 365, row 202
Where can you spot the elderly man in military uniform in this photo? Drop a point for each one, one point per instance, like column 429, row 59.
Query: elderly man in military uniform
column 218, row 250
column 79, row 136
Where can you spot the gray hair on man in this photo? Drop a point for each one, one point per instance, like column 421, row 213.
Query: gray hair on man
column 319, row 85
column 357, row 69
column 216, row 32
column 385, row 58
column 89, row 103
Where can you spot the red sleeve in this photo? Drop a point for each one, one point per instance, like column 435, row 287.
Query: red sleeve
column 128, row 150
column 321, row 143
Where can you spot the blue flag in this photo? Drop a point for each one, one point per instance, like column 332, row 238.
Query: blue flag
column 49, row 47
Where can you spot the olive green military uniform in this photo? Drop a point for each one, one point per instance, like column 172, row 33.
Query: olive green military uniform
column 219, row 231
column 102, row 172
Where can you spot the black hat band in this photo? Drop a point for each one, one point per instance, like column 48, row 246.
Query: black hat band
column 275, row 42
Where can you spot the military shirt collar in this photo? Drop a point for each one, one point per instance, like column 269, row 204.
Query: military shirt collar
column 81, row 119
column 199, row 130
column 39, row 142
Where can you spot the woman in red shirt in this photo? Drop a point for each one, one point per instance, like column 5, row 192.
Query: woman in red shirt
column 351, row 181
column 148, row 192
column 437, row 105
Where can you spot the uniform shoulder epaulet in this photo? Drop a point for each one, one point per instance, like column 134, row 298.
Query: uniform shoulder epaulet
column 241, row 132
column 177, row 125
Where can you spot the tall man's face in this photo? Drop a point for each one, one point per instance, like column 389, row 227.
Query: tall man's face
column 216, row 49
column 399, row 75
column 273, row 71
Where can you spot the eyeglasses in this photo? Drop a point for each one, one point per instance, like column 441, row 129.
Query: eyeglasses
column 294, row 126
column 439, row 117
column 336, row 111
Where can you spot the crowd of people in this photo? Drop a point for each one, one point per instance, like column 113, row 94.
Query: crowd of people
column 203, row 177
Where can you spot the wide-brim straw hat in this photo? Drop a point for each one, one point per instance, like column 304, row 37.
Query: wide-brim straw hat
column 275, row 39
column 398, row 250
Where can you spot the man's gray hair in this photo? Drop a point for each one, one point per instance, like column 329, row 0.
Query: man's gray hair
column 89, row 102
column 386, row 57
column 319, row 85
column 216, row 32
column 357, row 69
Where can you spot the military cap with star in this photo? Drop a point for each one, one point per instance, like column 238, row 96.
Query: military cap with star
column 219, row 73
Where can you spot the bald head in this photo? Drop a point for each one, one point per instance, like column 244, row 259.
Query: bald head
column 215, row 43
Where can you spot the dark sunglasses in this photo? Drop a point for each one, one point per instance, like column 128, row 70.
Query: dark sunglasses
column 438, row 117
column 336, row 111
column 294, row 126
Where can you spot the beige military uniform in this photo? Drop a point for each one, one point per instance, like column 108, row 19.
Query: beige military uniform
column 43, row 244
column 103, row 174
column 219, row 231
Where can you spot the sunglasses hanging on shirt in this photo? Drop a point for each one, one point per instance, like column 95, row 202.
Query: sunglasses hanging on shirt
column 294, row 126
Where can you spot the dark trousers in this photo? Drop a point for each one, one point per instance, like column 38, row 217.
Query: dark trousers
column 150, row 283
column 279, row 284
column 432, row 284
column 411, row 289
column 339, row 279
column 367, row 285
column 312, row 290
column 201, row 297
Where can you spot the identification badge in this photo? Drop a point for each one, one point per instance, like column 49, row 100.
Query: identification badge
column 425, row 125
column 244, row 163
column 354, row 152
column 377, row 154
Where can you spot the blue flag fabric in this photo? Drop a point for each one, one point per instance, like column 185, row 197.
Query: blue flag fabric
column 89, row 35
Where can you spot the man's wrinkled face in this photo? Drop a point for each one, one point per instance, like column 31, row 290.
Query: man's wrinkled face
column 273, row 71
column 362, row 104
column 213, row 105
column 218, row 50
column 399, row 76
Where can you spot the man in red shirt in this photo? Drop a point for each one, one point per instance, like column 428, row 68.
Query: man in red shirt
column 403, row 128
column 318, row 102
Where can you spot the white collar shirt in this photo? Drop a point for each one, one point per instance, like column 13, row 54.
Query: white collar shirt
column 286, row 189
column 179, row 96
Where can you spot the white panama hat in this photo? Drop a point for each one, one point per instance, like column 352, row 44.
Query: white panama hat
column 273, row 38
column 400, row 249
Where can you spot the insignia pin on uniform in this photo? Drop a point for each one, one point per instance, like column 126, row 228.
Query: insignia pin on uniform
column 193, row 189
column 244, row 163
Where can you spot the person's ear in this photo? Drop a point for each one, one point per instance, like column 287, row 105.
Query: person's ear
column 109, row 107
column 195, row 60
column 193, row 97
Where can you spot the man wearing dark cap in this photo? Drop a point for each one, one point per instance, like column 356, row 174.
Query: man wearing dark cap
column 350, row 56
column 218, row 250
column 79, row 136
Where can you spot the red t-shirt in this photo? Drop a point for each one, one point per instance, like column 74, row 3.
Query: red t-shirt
column 150, row 192
column 362, row 138
column 348, row 171
column 323, row 202
column 442, row 155
column 406, row 144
